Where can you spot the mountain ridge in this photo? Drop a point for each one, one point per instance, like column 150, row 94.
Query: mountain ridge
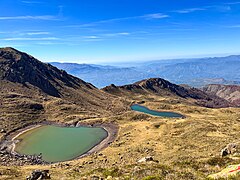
column 196, row 72
column 229, row 92
column 20, row 67
column 163, row 87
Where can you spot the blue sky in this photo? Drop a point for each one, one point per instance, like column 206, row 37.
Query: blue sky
column 95, row 31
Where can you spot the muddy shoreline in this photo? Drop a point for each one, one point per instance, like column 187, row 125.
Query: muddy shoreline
column 10, row 139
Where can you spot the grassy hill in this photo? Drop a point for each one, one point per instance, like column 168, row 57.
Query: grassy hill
column 182, row 148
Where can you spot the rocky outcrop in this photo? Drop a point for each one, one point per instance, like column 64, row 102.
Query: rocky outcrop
column 8, row 157
column 39, row 174
column 13, row 159
column 229, row 149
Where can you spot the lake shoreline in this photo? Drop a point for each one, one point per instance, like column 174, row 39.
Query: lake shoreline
column 157, row 113
column 110, row 128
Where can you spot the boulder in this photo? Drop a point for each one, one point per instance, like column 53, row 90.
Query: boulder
column 2, row 131
column 145, row 159
column 229, row 149
column 39, row 174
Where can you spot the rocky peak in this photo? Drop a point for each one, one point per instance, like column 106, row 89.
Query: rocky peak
column 159, row 84
column 19, row 67
column 11, row 54
column 153, row 82
column 163, row 87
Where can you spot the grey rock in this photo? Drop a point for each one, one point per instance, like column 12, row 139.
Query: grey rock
column 229, row 149
column 145, row 159
column 2, row 131
column 39, row 174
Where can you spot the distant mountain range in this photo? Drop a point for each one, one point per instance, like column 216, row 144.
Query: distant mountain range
column 102, row 76
column 200, row 70
column 194, row 72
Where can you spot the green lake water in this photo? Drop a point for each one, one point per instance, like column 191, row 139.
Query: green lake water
column 143, row 109
column 59, row 143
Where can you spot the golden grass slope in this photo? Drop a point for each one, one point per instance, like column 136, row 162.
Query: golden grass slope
column 183, row 148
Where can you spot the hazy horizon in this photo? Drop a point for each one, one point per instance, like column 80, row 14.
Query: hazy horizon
column 144, row 61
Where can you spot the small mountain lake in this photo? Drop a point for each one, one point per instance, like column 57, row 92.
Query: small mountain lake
column 143, row 109
column 59, row 143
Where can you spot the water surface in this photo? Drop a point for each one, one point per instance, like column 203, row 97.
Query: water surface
column 143, row 109
column 59, row 143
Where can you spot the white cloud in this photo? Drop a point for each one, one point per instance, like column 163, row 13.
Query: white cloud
column 155, row 16
column 232, row 3
column 91, row 37
column 31, row 39
column 220, row 8
column 223, row 8
column 36, row 33
column 50, row 43
column 117, row 34
column 145, row 17
column 31, row 2
column 124, row 33
column 233, row 26
column 44, row 17
column 92, row 40
column 23, row 33
column 190, row 10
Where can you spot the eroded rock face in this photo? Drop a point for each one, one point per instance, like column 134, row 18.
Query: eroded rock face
column 230, row 93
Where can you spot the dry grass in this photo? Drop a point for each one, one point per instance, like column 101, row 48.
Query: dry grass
column 184, row 148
